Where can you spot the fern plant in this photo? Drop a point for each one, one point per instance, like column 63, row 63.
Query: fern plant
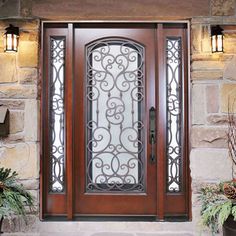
column 217, row 204
column 14, row 199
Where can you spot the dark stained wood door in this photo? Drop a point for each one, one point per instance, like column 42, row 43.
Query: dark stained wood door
column 114, row 138
column 114, row 88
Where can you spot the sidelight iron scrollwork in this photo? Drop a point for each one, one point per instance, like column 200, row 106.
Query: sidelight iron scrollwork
column 174, row 113
column 115, row 122
column 56, row 113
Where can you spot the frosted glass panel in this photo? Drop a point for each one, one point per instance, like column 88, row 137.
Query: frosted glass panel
column 174, row 113
column 115, row 95
column 57, row 154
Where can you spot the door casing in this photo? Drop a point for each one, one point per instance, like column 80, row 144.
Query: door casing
column 66, row 202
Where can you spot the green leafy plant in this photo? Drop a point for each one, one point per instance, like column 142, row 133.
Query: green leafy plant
column 14, row 199
column 218, row 203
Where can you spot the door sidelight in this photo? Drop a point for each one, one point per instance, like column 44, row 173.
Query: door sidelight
column 152, row 133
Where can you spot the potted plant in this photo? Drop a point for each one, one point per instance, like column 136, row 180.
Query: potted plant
column 14, row 199
column 219, row 201
column 219, row 206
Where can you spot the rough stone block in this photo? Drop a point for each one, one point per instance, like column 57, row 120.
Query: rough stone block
column 207, row 65
column 26, row 8
column 29, row 35
column 228, row 97
column 30, row 184
column 229, row 20
column 210, row 164
column 206, row 75
column 27, row 75
column 16, row 121
column 23, row 24
column 21, row 157
column 222, row 7
column 217, row 119
column 17, row 224
column 8, row 68
column 35, row 195
column 28, row 54
column 18, row 91
column 208, row 137
column 14, row 138
column 230, row 70
column 212, row 98
column 196, row 38
column 31, row 120
column 132, row 9
column 205, row 41
column 198, row 104
column 2, row 42
column 205, row 20
column 9, row 8
column 229, row 43
column 212, row 57
column 13, row 104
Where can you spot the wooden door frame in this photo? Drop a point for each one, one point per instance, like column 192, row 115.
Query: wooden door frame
column 69, row 133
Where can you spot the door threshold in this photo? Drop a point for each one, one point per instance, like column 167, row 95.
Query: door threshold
column 102, row 218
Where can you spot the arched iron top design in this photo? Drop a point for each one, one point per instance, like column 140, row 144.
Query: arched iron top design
column 115, row 41
column 115, row 129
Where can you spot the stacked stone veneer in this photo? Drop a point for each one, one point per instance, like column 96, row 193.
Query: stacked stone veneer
column 213, row 90
column 19, row 92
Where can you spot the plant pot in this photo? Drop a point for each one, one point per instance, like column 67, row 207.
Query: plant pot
column 1, row 221
column 229, row 227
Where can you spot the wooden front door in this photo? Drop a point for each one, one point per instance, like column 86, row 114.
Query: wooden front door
column 115, row 121
column 114, row 90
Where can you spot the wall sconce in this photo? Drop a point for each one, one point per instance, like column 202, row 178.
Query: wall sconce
column 217, row 39
column 11, row 39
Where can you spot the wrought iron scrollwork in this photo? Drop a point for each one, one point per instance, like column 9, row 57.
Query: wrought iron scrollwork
column 174, row 113
column 115, row 101
column 56, row 113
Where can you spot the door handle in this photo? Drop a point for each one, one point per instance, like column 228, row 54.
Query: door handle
column 152, row 133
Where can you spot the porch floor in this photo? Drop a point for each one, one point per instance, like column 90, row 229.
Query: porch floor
column 98, row 234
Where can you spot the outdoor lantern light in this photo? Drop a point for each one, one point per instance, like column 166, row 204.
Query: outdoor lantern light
column 216, row 39
column 11, row 39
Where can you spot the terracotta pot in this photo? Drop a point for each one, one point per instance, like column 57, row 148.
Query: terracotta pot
column 229, row 227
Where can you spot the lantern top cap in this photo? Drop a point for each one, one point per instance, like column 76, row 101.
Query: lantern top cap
column 216, row 30
column 12, row 30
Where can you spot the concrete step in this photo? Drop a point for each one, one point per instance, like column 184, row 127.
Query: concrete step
column 97, row 234
column 85, row 228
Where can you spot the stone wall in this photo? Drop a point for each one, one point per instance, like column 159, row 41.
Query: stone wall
column 19, row 92
column 213, row 90
column 105, row 9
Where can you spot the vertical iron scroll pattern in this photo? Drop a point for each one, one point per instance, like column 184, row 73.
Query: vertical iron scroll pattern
column 115, row 105
column 56, row 114
column 174, row 113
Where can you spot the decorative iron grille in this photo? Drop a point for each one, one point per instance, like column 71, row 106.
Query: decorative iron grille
column 174, row 113
column 56, row 113
column 115, row 122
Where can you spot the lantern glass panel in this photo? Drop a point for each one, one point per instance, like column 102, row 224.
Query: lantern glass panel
column 11, row 43
column 213, row 43
column 220, row 43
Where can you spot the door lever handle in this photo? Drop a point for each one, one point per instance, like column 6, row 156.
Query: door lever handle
column 152, row 133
